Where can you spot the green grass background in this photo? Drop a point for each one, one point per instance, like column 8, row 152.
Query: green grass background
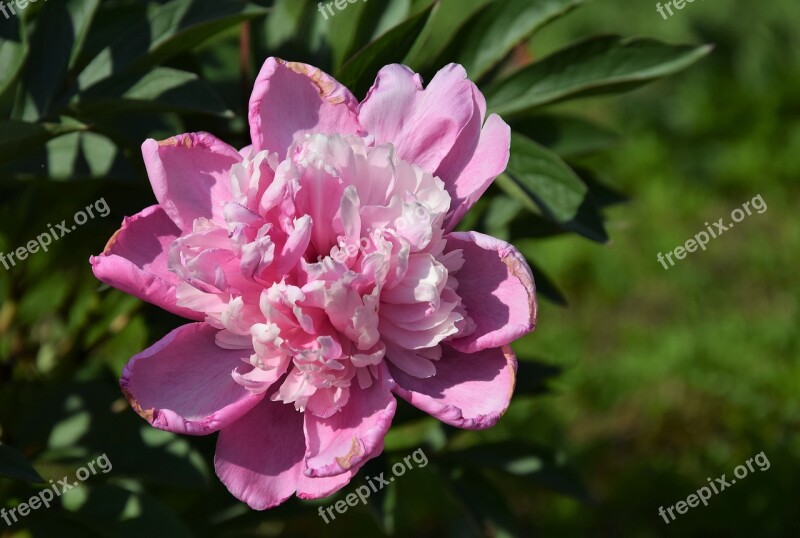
column 674, row 376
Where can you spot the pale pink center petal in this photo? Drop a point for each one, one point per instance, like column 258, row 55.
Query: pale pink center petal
column 327, row 264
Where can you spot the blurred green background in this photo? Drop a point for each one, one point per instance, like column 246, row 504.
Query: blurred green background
column 646, row 384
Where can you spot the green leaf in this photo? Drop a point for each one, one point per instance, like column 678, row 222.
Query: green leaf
column 160, row 89
column 588, row 222
column 285, row 21
column 600, row 193
column 446, row 20
column 169, row 29
column 351, row 29
column 544, row 180
column 533, row 376
column 13, row 51
column 569, row 136
column 525, row 460
column 115, row 511
column 484, row 506
column 56, row 41
column 503, row 26
column 359, row 72
column 14, row 465
column 547, row 288
column 20, row 137
column 383, row 503
column 594, row 66
column 294, row 30
column 499, row 214
column 82, row 14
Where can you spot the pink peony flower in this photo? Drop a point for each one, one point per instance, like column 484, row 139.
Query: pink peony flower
column 321, row 270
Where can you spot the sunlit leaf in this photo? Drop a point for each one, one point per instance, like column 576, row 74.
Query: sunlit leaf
column 498, row 29
column 359, row 72
column 596, row 65
column 168, row 29
column 20, row 137
column 545, row 179
column 56, row 42
column 161, row 88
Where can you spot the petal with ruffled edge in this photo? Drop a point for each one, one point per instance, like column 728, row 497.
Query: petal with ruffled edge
column 470, row 391
column 496, row 287
column 488, row 161
column 423, row 124
column 189, row 174
column 260, row 458
column 135, row 260
column 183, row 383
column 290, row 99
column 354, row 435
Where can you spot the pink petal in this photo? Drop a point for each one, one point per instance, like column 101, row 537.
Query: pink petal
column 260, row 458
column 424, row 125
column 135, row 260
column 488, row 160
column 316, row 488
column 290, row 99
column 183, row 383
column 190, row 176
column 409, row 361
column 470, row 391
column 497, row 289
column 352, row 436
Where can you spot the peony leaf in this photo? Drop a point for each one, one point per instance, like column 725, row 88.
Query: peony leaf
column 596, row 65
column 533, row 375
column 569, row 136
column 525, row 460
column 56, row 42
column 161, row 88
column 484, row 506
column 169, row 29
column 19, row 137
column 360, row 70
column 544, row 180
column 497, row 30
column 13, row 51
column 14, row 465
column 445, row 22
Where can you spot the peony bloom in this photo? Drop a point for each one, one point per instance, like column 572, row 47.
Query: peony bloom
column 323, row 277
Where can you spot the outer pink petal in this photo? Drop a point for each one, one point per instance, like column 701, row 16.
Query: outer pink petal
column 354, row 435
column 424, row 125
column 290, row 99
column 488, row 161
column 469, row 391
column 316, row 488
column 189, row 175
column 260, row 458
column 135, row 260
column 183, row 383
column 497, row 288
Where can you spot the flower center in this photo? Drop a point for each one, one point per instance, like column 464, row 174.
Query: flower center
column 327, row 264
